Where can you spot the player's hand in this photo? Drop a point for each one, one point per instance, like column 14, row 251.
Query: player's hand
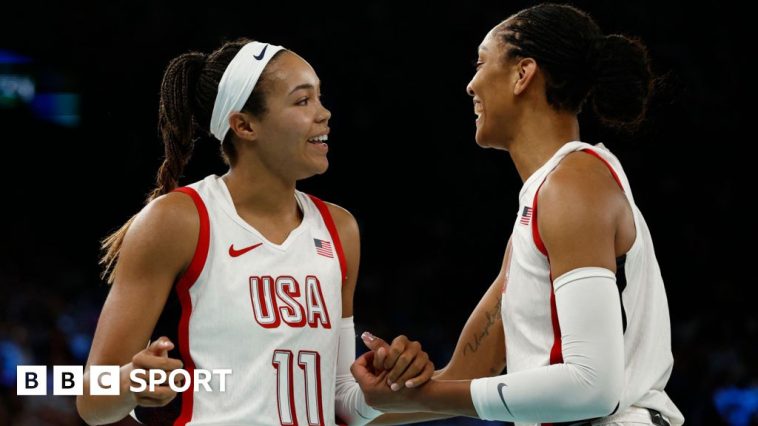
column 152, row 358
column 404, row 360
column 373, row 384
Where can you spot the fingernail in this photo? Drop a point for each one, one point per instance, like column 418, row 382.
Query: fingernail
column 409, row 384
column 368, row 336
column 389, row 382
column 395, row 386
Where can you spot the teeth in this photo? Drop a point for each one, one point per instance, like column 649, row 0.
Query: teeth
column 322, row 138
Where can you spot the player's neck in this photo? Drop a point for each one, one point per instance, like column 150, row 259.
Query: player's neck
column 262, row 194
column 537, row 140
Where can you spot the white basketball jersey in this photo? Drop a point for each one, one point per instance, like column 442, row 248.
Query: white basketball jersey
column 269, row 312
column 532, row 330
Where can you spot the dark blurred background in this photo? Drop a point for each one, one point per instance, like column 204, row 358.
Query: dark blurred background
column 79, row 150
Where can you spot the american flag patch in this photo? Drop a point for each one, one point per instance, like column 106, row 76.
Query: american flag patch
column 323, row 248
column 526, row 215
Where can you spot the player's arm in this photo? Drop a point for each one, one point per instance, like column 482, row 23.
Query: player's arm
column 480, row 351
column 350, row 404
column 349, row 235
column 578, row 216
column 157, row 248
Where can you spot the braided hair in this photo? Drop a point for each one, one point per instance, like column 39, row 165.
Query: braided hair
column 187, row 95
column 580, row 63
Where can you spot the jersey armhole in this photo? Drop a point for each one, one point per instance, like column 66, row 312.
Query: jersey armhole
column 183, row 285
column 535, row 229
column 203, row 242
column 329, row 222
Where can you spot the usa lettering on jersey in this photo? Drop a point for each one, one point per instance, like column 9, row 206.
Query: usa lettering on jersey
column 281, row 301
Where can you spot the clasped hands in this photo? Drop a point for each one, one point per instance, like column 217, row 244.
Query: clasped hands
column 390, row 374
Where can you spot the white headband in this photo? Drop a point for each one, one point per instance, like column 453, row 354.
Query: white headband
column 238, row 82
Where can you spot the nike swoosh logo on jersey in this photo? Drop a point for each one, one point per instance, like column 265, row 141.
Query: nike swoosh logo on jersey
column 235, row 253
column 500, row 392
column 260, row 55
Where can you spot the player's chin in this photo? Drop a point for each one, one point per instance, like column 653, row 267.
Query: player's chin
column 481, row 139
column 486, row 139
column 321, row 166
column 316, row 166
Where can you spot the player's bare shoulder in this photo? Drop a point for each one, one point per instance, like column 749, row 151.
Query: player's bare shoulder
column 167, row 229
column 582, row 171
column 345, row 222
column 582, row 184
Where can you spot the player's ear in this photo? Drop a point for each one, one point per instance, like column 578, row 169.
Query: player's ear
column 525, row 70
column 243, row 125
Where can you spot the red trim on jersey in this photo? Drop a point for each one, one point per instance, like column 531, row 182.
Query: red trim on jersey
column 556, row 354
column 535, row 228
column 182, row 289
column 607, row 164
column 322, row 207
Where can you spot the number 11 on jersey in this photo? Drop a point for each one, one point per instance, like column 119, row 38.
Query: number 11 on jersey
column 310, row 363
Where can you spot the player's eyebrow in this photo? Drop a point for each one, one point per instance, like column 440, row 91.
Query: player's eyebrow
column 302, row 86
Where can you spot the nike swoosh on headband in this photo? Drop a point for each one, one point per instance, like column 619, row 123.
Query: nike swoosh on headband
column 260, row 55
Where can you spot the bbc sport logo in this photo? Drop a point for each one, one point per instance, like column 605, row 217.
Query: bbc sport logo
column 104, row 380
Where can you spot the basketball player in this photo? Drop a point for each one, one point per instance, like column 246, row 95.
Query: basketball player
column 584, row 316
column 242, row 271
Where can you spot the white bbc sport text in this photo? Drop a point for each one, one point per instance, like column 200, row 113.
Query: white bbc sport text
column 104, row 380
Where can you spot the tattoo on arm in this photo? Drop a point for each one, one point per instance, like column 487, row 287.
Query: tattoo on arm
column 493, row 316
